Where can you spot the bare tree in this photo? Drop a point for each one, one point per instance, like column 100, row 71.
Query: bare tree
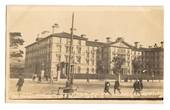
column 118, row 61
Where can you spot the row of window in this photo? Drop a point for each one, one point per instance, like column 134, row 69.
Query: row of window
column 76, row 59
column 67, row 41
column 152, row 53
column 92, row 70
column 67, row 49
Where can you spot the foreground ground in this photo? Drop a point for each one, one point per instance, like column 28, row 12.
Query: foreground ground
column 93, row 89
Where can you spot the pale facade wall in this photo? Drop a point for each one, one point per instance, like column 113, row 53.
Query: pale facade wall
column 60, row 53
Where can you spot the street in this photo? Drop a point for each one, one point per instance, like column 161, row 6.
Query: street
column 93, row 89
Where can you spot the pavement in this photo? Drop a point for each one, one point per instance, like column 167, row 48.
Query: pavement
column 93, row 89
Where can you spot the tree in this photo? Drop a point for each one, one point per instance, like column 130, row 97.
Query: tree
column 15, row 39
column 118, row 61
column 138, row 66
column 16, row 54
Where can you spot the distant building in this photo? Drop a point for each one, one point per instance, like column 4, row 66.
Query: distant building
column 152, row 60
column 120, row 48
column 90, row 59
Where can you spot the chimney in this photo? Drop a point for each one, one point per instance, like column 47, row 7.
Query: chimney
column 82, row 35
column 96, row 40
column 162, row 44
column 155, row 45
column 107, row 39
column 149, row 46
column 38, row 37
column 140, row 46
column 136, row 44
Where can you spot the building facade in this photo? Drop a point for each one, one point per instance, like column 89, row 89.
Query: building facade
column 119, row 48
column 52, row 51
column 89, row 59
column 152, row 60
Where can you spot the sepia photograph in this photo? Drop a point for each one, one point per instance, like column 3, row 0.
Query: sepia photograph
column 94, row 54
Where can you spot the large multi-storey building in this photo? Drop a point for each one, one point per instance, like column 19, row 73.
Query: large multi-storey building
column 48, row 54
column 89, row 59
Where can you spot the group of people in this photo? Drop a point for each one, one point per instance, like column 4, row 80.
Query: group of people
column 42, row 76
column 116, row 87
column 137, row 86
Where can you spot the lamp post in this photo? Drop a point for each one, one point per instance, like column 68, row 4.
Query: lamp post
column 69, row 83
column 70, row 73
column 153, row 76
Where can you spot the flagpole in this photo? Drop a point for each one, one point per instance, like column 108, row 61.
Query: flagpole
column 70, row 74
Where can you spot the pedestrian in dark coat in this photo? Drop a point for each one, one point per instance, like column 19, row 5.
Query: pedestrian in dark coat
column 116, row 87
column 107, row 87
column 20, row 83
column 138, row 86
column 34, row 77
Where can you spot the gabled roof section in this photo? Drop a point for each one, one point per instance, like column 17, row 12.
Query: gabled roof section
column 68, row 35
column 120, row 40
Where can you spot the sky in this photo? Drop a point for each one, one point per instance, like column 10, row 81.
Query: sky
column 141, row 24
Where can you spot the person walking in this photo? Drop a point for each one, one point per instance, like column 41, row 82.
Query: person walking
column 46, row 76
column 34, row 77
column 52, row 77
column 20, row 83
column 116, row 87
column 107, row 87
column 42, row 74
column 138, row 86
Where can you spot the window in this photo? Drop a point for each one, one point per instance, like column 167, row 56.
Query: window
column 79, row 69
column 87, row 70
column 92, row 51
column 72, row 59
column 78, row 49
column 58, row 40
column 92, row 61
column 67, row 49
column 79, row 42
column 93, row 55
column 58, row 57
column 88, row 54
column 58, row 47
column 66, row 58
column 87, row 61
column 67, row 41
column 92, row 70
column 78, row 59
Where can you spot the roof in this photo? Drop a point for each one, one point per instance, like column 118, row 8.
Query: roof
column 67, row 35
column 119, row 39
column 61, row 35
column 151, row 49
column 95, row 43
